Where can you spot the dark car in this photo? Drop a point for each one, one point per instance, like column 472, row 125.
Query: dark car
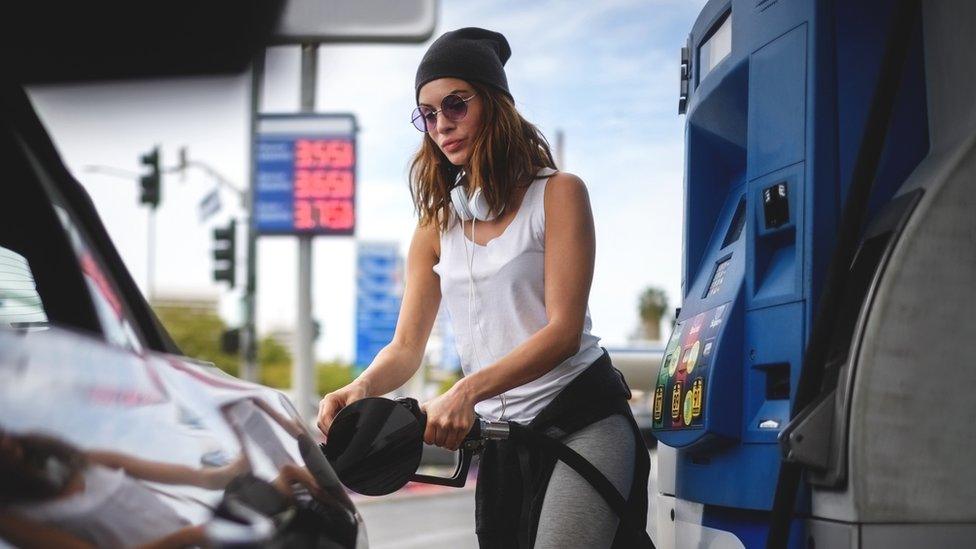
column 108, row 435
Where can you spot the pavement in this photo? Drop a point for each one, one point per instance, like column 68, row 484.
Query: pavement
column 434, row 517
column 410, row 491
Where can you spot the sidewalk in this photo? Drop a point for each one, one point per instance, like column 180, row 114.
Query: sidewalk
column 413, row 490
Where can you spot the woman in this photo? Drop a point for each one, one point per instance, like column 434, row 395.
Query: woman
column 508, row 243
column 54, row 494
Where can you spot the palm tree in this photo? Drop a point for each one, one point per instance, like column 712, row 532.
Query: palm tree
column 651, row 308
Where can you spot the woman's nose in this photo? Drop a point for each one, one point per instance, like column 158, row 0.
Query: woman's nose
column 443, row 123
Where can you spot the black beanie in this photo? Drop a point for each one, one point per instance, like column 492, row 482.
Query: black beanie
column 469, row 54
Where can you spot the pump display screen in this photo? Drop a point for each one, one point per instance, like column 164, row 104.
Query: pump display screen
column 715, row 48
column 306, row 174
column 718, row 277
column 679, row 397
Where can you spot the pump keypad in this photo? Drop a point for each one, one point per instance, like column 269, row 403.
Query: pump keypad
column 683, row 377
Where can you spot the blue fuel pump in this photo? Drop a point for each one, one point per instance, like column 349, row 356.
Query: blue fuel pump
column 776, row 96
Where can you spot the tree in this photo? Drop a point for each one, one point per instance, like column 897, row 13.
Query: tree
column 274, row 363
column 652, row 306
column 332, row 375
column 196, row 331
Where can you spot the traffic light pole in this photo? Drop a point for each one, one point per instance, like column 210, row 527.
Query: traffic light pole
column 151, row 192
column 248, row 334
column 150, row 195
column 151, row 254
column 302, row 373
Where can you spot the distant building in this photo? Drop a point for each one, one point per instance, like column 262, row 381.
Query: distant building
column 200, row 302
column 441, row 352
column 379, row 290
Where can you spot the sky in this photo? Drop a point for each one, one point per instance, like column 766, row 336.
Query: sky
column 604, row 73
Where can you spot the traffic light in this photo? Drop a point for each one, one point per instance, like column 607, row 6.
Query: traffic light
column 225, row 252
column 230, row 341
column 150, row 182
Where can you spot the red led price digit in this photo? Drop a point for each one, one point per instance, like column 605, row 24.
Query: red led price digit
column 304, row 153
column 338, row 153
column 338, row 184
column 303, row 215
column 323, row 184
column 335, row 214
column 304, row 184
column 324, row 153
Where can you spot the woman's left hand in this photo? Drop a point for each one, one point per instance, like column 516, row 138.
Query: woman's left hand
column 449, row 418
column 217, row 478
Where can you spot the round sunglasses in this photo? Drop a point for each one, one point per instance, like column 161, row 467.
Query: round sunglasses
column 454, row 107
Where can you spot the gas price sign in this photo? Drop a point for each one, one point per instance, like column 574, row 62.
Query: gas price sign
column 305, row 174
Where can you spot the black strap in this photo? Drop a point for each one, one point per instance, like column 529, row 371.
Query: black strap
column 525, row 468
column 588, row 471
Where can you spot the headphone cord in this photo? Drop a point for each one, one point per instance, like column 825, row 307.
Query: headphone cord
column 471, row 299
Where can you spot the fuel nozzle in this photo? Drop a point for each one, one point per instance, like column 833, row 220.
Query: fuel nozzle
column 493, row 430
column 375, row 445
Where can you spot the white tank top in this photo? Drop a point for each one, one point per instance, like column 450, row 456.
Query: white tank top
column 508, row 304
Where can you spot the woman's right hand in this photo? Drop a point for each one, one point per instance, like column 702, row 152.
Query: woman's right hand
column 331, row 403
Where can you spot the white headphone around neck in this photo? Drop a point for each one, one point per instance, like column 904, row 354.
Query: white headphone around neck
column 475, row 207
column 472, row 209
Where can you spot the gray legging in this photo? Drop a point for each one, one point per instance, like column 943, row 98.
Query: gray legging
column 573, row 512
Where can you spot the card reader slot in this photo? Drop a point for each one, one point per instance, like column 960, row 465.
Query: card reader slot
column 777, row 380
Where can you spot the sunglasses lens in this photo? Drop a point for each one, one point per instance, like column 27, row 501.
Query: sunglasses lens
column 418, row 119
column 454, row 107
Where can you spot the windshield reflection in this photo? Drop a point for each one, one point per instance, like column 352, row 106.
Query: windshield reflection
column 103, row 447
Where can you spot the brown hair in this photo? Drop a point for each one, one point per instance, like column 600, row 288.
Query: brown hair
column 506, row 154
column 42, row 471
